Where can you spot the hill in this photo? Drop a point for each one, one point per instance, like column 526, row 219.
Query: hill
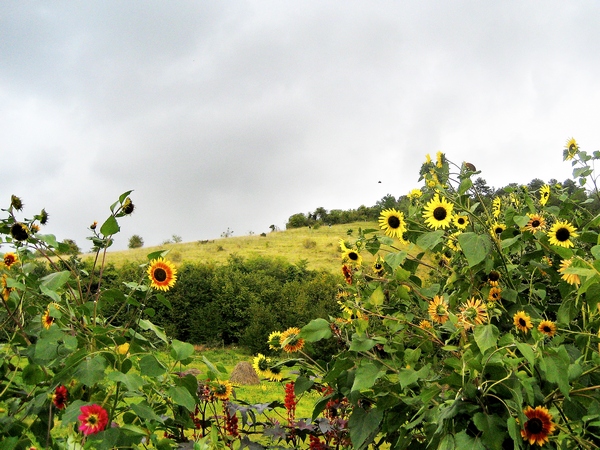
column 317, row 246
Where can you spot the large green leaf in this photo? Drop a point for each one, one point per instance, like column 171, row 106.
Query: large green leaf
column 475, row 247
column 182, row 396
column 486, row 336
column 366, row 375
column 110, row 227
column 316, row 330
column 181, row 350
column 151, row 367
column 364, row 426
column 55, row 280
column 90, row 371
column 431, row 239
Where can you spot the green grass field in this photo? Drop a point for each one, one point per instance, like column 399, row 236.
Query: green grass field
column 318, row 247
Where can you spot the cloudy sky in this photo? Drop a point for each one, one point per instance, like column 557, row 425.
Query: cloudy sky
column 238, row 114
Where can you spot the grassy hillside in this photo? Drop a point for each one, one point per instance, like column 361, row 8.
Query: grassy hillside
column 319, row 247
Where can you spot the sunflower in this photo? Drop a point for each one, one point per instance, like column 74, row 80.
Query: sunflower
column 493, row 278
column 289, row 340
column 495, row 294
column 561, row 233
column 571, row 278
column 473, row 313
column 274, row 340
column 19, row 231
column 427, row 159
column 547, row 327
column 496, row 204
column 6, row 290
column 44, row 217
column 452, row 241
column 10, row 258
column 415, row 194
column 439, row 160
column 378, row 268
column 261, row 365
column 162, row 274
column 34, row 228
column 128, row 206
column 461, row 221
column 352, row 256
column 425, row 325
column 392, row 223
column 522, row 321
column 536, row 223
column 544, row 194
column 47, row 320
column 347, row 271
column 538, row 426
column 438, row 212
column 274, row 373
column 438, row 309
column 16, row 203
column 221, row 389
column 123, row 349
column 496, row 229
column 571, row 148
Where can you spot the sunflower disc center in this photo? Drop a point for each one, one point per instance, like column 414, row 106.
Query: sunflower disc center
column 522, row 322
column 535, row 223
column 440, row 213
column 353, row 256
column 160, row 275
column 534, row 426
column 562, row 234
column 393, row 222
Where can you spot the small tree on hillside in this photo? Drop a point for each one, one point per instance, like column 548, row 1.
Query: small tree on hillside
column 136, row 241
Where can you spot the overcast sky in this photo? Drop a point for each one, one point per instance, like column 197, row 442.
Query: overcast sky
column 238, row 114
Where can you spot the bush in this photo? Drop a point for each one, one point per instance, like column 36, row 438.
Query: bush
column 136, row 241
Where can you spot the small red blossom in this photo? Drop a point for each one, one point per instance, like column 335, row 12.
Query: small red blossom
column 290, row 401
column 93, row 418
column 59, row 398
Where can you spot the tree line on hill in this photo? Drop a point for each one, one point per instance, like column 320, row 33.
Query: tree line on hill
column 321, row 216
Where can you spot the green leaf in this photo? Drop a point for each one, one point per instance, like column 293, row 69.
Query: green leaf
column 486, row 336
column 302, row 384
column 181, row 350
column 475, row 247
column 90, row 371
column 316, row 330
column 364, row 426
column 431, row 239
column 377, row 297
column 595, row 251
column 147, row 325
column 110, row 227
column 132, row 381
column 182, row 396
column 216, row 372
column 144, row 411
column 464, row 186
column 124, row 195
column 50, row 293
column 555, row 363
column 33, row 374
column 447, row 443
column 361, row 343
column 366, row 375
column 527, row 351
column 465, row 442
column 151, row 367
column 55, row 280
column 521, row 221
column 164, row 300
column 395, row 259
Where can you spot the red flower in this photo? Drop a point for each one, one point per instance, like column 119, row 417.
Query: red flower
column 290, row 401
column 59, row 398
column 93, row 418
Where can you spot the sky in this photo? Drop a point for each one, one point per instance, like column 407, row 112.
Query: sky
column 235, row 115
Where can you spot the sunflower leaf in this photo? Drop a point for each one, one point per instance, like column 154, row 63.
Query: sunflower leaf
column 475, row 247
column 316, row 330
column 110, row 227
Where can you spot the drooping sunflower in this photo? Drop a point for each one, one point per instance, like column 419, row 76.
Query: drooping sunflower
column 438, row 212
column 289, row 340
column 472, row 313
column 547, row 327
column 495, row 294
column 10, row 258
column 274, row 340
column 536, row 223
column 274, row 373
column 221, row 389
column 392, row 223
column 522, row 321
column 493, row 278
column 461, row 221
column 561, row 233
column 128, row 206
column 496, row 229
column 570, row 150
column 16, row 203
column 538, row 426
column 44, row 217
column 452, row 241
column 438, row 309
column 261, row 365
column 544, row 194
column 19, row 231
column 571, row 278
column 162, row 274
column 496, row 205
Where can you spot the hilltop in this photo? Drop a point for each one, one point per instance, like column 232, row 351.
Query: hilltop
column 318, row 246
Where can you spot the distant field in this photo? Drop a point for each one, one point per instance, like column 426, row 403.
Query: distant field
column 319, row 247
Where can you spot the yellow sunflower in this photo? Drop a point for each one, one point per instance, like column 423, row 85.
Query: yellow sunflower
column 461, row 221
column 538, row 426
column 6, row 290
column 496, row 205
column 496, row 229
column 427, row 159
column 392, row 223
column 261, row 365
column 547, row 327
column 452, row 241
column 438, row 212
column 378, row 268
column 221, row 389
column 495, row 294
column 561, row 233
column 439, row 160
column 438, row 309
column 425, row 325
column 571, row 148
column 536, row 223
column 352, row 256
column 494, row 278
column 522, row 321
column 10, row 258
column 415, row 194
column 47, row 319
column 571, row 278
column 162, row 274
column 544, row 194
column 472, row 313
column 123, row 349
column 289, row 340
column 274, row 340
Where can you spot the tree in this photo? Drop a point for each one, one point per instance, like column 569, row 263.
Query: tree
column 69, row 247
column 136, row 241
column 177, row 239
